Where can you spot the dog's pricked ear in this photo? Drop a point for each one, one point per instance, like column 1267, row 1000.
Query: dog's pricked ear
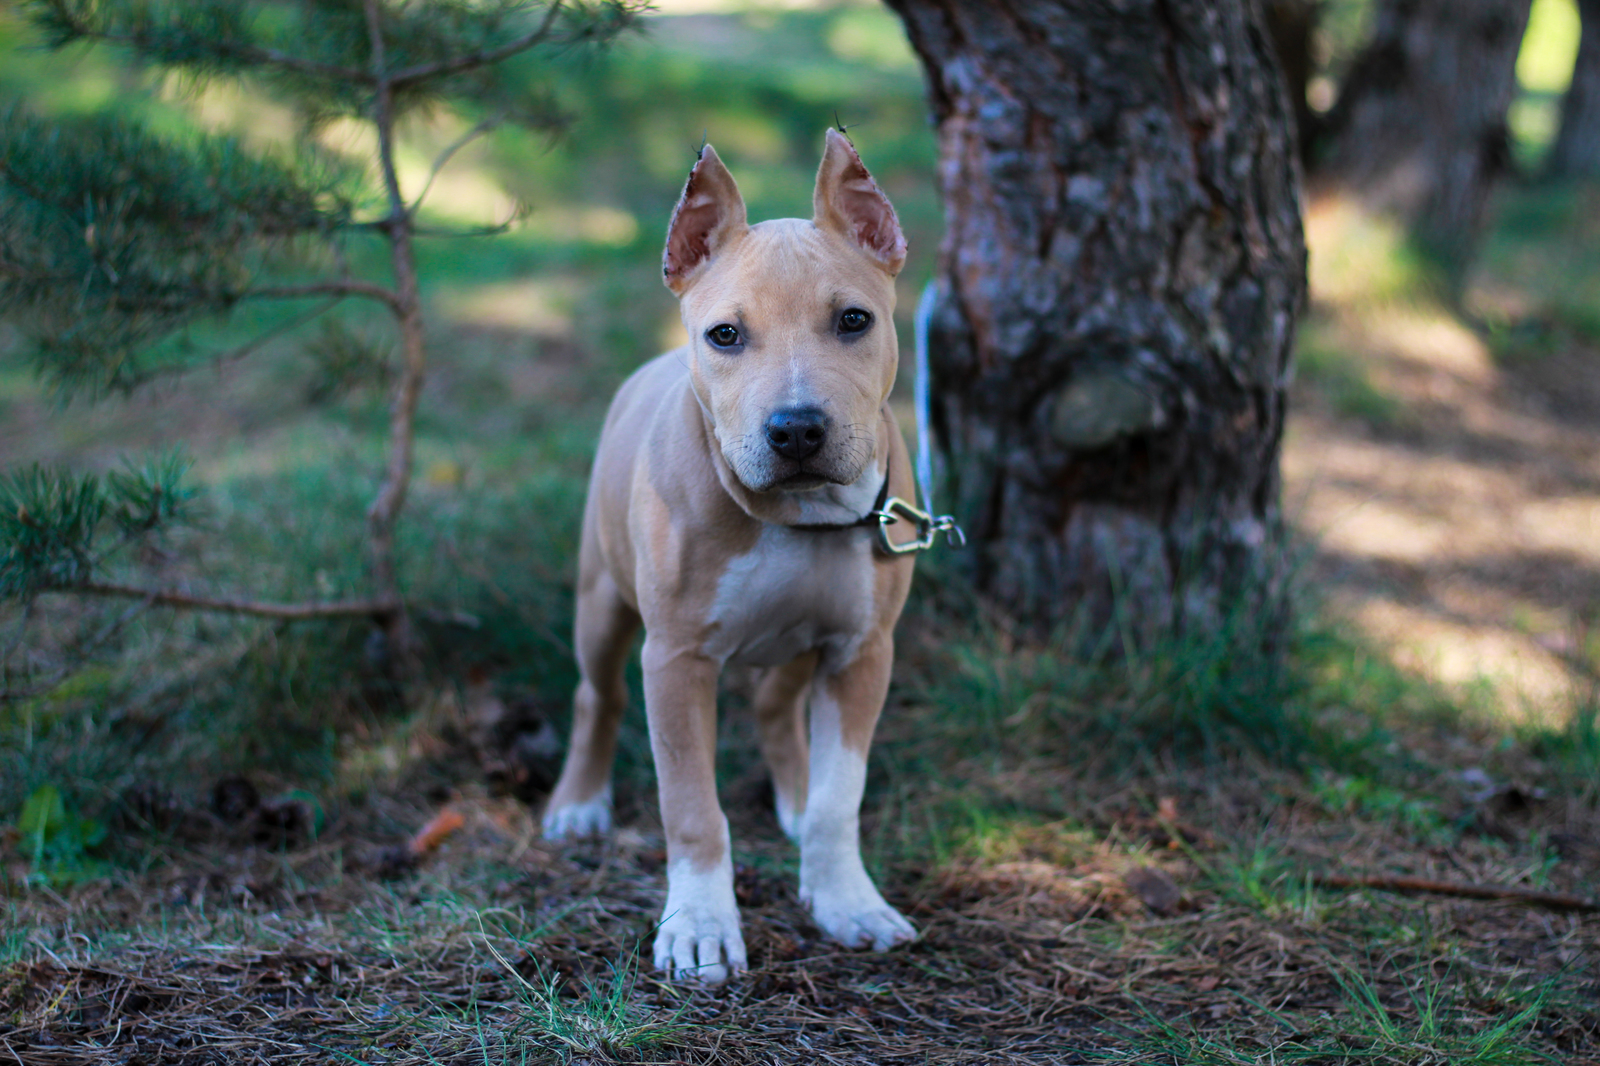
column 709, row 214
column 849, row 202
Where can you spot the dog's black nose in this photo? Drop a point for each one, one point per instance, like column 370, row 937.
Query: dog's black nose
column 797, row 432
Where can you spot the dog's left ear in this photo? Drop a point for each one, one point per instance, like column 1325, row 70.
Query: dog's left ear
column 709, row 215
column 850, row 203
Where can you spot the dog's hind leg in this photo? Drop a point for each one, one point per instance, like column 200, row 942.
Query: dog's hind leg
column 603, row 634
column 780, row 706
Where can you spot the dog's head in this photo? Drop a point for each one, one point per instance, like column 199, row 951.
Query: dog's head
column 792, row 347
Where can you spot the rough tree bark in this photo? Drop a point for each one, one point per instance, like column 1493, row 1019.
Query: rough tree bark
column 1576, row 153
column 1117, row 293
column 1419, row 130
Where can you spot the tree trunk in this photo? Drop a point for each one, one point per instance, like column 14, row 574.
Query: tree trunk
column 1576, row 153
column 1419, row 130
column 1117, row 294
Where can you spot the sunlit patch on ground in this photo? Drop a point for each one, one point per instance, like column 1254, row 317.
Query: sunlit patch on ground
column 1449, row 515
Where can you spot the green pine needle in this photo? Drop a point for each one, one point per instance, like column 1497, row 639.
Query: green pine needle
column 53, row 523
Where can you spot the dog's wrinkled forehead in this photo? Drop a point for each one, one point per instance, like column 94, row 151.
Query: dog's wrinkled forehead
column 784, row 266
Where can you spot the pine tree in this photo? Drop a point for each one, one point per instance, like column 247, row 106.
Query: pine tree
column 1576, row 152
column 1118, row 284
column 114, row 240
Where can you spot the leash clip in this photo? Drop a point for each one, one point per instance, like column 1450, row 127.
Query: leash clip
column 928, row 527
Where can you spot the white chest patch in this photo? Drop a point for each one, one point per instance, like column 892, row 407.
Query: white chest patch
column 795, row 591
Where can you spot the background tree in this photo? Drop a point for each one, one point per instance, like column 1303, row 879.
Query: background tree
column 1293, row 25
column 1576, row 152
column 1117, row 293
column 116, row 241
column 1419, row 130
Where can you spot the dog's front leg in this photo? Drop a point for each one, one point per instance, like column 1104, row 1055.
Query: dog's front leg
column 699, row 933
column 833, row 880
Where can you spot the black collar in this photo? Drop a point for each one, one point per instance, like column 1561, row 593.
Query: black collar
column 868, row 519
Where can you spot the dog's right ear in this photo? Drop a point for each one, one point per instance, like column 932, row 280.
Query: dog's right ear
column 710, row 213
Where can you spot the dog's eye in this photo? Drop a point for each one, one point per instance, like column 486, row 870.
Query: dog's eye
column 854, row 320
column 723, row 336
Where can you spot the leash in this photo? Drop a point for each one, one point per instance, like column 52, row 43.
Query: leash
column 893, row 509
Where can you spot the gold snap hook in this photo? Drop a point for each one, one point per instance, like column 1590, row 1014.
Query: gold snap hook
column 928, row 527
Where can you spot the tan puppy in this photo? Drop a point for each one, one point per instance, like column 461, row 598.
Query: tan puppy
column 713, row 459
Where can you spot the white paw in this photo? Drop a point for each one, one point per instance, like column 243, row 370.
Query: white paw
column 589, row 818
column 699, row 935
column 856, row 915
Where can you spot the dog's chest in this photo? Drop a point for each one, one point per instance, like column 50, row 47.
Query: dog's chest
column 793, row 592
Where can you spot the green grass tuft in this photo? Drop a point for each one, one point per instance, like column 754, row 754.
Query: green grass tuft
column 1430, row 1024
column 1339, row 375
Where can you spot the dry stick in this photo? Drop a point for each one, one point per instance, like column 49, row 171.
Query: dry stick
column 1554, row 900
column 376, row 608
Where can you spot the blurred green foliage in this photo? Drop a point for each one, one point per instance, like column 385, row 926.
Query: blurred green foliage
column 60, row 843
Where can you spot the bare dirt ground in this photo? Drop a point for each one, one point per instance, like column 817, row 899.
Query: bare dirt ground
column 1454, row 515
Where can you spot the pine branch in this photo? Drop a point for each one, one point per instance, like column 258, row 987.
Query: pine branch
column 341, row 287
column 116, row 239
column 39, row 685
column 493, row 229
column 443, row 159
column 73, row 24
column 482, row 58
column 243, row 351
column 376, row 608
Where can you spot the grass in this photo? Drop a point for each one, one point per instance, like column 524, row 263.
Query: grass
column 1428, row 1026
column 1343, row 380
column 603, row 1019
column 1573, row 748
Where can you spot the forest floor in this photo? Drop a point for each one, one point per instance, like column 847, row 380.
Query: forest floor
column 228, row 841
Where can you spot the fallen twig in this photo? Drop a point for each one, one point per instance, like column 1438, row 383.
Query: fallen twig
column 1554, row 900
column 430, row 836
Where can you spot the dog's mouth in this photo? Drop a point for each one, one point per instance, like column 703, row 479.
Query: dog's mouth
column 781, row 475
column 801, row 481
